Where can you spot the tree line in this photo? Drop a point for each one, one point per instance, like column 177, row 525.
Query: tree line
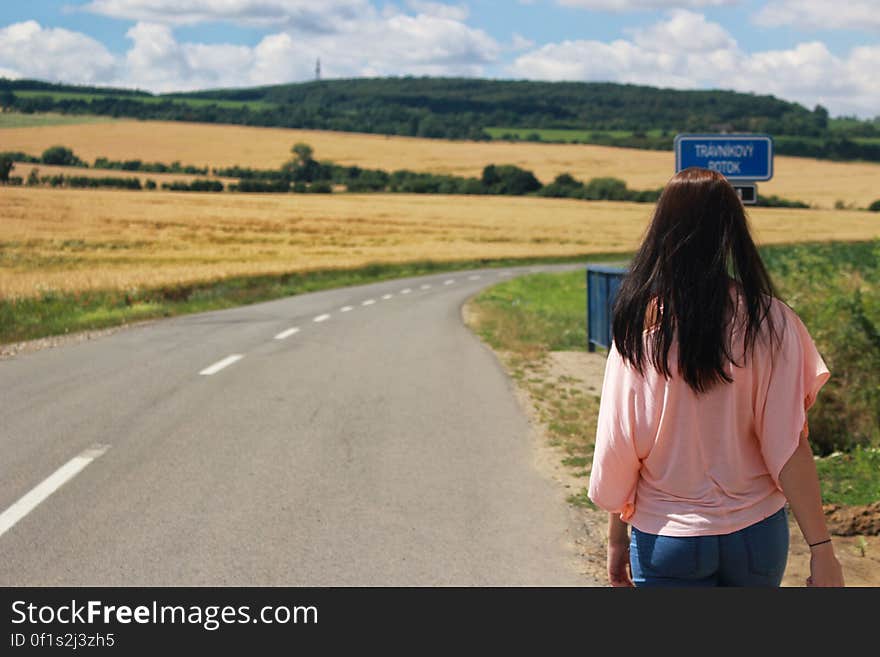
column 302, row 173
column 456, row 108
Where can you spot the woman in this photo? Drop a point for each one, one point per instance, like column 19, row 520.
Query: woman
column 702, row 432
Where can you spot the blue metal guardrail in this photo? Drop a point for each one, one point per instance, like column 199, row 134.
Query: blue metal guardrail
column 603, row 281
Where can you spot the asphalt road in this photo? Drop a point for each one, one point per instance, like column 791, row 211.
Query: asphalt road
column 379, row 445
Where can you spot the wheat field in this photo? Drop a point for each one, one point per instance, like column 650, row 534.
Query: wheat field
column 818, row 182
column 60, row 239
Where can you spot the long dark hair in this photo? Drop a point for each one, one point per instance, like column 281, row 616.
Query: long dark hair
column 696, row 244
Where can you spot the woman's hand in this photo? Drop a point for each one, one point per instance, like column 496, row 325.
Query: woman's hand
column 619, row 573
column 825, row 569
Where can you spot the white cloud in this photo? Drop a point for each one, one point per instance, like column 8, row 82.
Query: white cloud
column 396, row 45
column 391, row 42
column 808, row 73
column 305, row 15
column 440, row 9
column 29, row 50
column 156, row 61
column 519, row 42
column 821, row 14
column 639, row 5
column 683, row 31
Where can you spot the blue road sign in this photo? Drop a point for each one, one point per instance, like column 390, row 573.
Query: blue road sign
column 737, row 157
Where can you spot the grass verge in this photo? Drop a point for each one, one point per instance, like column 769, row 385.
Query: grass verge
column 832, row 286
column 58, row 313
column 850, row 478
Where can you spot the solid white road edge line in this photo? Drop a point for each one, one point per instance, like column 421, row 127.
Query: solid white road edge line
column 220, row 364
column 287, row 333
column 49, row 485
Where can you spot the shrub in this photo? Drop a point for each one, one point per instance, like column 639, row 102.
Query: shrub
column 509, row 179
column 262, row 186
column 605, row 189
column 60, row 156
column 835, row 289
column 18, row 156
column 321, row 187
column 875, row 206
column 6, row 166
column 194, row 186
column 777, row 202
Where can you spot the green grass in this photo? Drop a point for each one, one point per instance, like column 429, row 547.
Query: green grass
column 19, row 120
column 582, row 500
column 195, row 102
column 567, row 135
column 72, row 95
column 850, row 478
column 835, row 289
column 547, row 311
column 57, row 313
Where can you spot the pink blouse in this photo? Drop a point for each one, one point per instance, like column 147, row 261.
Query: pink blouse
column 677, row 464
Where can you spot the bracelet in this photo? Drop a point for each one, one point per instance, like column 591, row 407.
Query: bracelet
column 812, row 545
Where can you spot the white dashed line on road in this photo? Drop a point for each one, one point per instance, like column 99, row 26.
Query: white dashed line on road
column 368, row 302
column 449, row 281
column 287, row 333
column 49, row 485
column 321, row 318
column 475, row 277
column 426, row 286
column 387, row 296
column 345, row 309
column 219, row 365
column 406, row 291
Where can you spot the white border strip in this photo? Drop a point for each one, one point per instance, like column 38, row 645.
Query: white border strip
column 49, row 485
column 287, row 333
column 219, row 365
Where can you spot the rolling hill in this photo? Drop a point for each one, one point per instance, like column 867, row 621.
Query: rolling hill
column 464, row 108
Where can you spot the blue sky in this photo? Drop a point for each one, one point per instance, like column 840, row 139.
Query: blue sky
column 810, row 51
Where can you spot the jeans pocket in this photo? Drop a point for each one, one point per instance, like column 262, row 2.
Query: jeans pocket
column 767, row 545
column 667, row 556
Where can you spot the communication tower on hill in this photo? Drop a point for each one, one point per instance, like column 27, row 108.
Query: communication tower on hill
column 318, row 69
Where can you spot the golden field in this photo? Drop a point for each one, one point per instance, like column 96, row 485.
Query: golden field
column 818, row 182
column 89, row 239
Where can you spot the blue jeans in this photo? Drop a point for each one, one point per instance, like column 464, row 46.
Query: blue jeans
column 753, row 556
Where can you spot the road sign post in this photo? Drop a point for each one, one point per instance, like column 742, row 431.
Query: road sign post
column 741, row 158
column 748, row 192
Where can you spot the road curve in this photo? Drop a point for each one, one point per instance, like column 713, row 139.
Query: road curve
column 356, row 436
